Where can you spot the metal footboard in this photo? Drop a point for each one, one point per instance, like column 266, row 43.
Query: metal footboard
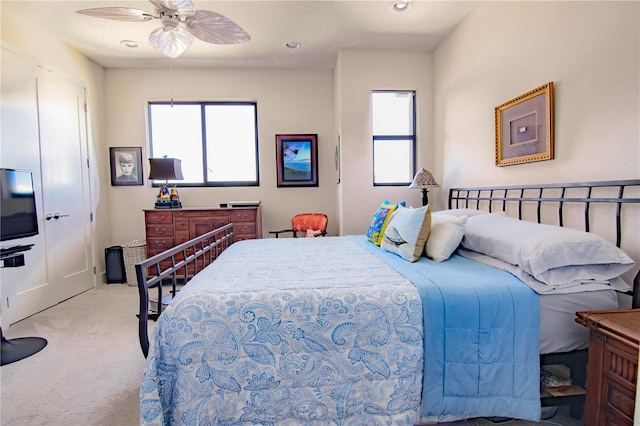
column 173, row 267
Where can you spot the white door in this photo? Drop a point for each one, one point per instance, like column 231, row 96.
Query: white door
column 65, row 183
column 25, row 290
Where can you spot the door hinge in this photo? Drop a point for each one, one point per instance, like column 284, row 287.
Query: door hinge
column 88, row 164
column 85, row 107
column 91, row 217
column 94, row 270
column 7, row 302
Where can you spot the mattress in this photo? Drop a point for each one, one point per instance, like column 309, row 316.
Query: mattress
column 559, row 332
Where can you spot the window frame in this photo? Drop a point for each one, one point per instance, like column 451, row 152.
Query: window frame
column 203, row 105
column 412, row 138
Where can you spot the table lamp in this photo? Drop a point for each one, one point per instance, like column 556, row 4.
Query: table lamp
column 166, row 169
column 424, row 180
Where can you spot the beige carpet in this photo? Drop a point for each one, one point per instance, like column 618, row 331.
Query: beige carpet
column 90, row 371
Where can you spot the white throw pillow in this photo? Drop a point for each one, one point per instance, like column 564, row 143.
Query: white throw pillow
column 445, row 236
column 407, row 232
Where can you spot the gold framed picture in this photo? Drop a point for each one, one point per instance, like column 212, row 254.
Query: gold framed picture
column 524, row 127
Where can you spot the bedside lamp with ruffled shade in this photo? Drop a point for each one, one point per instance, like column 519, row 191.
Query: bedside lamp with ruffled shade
column 166, row 169
column 424, row 180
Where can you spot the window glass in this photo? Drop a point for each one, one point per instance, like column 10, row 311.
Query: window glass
column 392, row 113
column 231, row 145
column 394, row 140
column 392, row 161
column 220, row 138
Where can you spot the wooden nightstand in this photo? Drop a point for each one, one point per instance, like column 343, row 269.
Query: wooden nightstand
column 612, row 371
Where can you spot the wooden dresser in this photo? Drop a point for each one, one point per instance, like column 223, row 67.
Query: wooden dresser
column 613, row 366
column 170, row 227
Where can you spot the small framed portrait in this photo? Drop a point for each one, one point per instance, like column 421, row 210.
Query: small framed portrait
column 297, row 160
column 524, row 127
column 126, row 166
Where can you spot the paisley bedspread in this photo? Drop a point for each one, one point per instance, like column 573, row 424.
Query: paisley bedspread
column 329, row 331
column 288, row 331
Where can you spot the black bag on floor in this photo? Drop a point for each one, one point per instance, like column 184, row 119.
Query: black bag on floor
column 114, row 262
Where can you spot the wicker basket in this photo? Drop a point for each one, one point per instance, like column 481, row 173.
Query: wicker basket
column 133, row 252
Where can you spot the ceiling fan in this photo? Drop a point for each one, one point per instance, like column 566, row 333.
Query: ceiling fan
column 180, row 23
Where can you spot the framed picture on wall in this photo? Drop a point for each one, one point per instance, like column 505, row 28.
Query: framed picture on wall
column 524, row 127
column 126, row 166
column 297, row 160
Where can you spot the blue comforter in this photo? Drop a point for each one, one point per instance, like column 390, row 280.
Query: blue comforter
column 481, row 338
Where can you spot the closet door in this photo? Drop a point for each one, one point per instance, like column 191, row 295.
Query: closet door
column 25, row 290
column 65, row 183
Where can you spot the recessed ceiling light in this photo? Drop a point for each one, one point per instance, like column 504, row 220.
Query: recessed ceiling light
column 293, row 45
column 401, row 5
column 129, row 43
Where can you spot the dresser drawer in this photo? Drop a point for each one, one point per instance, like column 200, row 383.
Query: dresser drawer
column 158, row 245
column 190, row 214
column 159, row 230
column 181, row 225
column 159, row 217
column 244, row 228
column 182, row 237
column 243, row 215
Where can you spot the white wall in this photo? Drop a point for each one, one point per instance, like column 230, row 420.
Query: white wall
column 590, row 50
column 289, row 102
column 361, row 72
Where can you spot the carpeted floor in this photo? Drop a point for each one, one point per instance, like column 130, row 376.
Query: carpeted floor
column 90, row 371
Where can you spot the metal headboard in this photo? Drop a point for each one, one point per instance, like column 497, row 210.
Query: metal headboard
column 501, row 195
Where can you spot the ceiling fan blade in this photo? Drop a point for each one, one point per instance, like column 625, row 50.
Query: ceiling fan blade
column 118, row 14
column 182, row 8
column 170, row 41
column 215, row 28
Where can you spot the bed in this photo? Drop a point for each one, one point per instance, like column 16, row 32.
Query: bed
column 336, row 330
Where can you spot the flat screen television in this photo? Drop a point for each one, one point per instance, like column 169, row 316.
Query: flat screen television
column 18, row 218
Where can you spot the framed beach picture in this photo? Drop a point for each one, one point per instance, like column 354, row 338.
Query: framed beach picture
column 297, row 160
column 126, row 166
column 524, row 127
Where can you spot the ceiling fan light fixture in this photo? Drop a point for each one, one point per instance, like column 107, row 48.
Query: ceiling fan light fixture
column 171, row 42
column 181, row 22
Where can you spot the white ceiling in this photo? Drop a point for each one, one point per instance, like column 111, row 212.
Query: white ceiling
column 323, row 27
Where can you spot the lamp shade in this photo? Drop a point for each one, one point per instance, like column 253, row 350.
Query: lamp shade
column 424, row 179
column 165, row 169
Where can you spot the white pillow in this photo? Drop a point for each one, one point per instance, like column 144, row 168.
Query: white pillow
column 407, row 232
column 445, row 236
column 459, row 212
column 552, row 254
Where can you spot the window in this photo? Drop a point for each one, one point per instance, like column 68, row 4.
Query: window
column 216, row 141
column 394, row 137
